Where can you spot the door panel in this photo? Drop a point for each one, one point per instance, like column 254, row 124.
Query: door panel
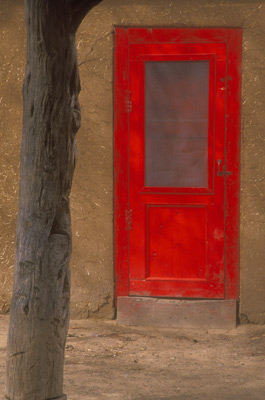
column 172, row 234
column 176, row 136
column 177, row 129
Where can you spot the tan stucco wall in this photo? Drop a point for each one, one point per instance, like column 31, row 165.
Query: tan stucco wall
column 92, row 194
column 12, row 65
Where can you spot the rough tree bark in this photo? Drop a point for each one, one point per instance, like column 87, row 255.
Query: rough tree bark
column 39, row 313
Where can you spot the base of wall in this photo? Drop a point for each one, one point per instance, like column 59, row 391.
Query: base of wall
column 199, row 314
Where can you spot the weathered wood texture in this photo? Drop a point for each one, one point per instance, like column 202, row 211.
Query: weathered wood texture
column 39, row 312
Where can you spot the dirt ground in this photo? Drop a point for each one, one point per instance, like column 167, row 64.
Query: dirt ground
column 107, row 361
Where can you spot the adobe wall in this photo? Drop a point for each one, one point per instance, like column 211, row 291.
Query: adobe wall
column 92, row 194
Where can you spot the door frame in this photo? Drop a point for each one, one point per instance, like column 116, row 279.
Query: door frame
column 232, row 37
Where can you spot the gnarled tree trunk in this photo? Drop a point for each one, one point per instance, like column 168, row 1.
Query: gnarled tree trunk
column 39, row 314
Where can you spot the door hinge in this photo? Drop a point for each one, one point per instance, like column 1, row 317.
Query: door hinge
column 129, row 219
column 128, row 101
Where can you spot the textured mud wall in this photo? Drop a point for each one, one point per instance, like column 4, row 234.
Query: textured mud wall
column 92, row 194
column 12, row 66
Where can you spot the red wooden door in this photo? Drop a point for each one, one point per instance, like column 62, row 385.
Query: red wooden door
column 176, row 93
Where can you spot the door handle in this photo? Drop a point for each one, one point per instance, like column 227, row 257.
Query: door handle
column 223, row 172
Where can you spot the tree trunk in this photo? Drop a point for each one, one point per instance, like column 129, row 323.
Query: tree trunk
column 39, row 313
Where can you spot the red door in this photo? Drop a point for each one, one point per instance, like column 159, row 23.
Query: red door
column 176, row 179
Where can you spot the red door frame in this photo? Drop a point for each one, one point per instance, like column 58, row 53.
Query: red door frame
column 232, row 37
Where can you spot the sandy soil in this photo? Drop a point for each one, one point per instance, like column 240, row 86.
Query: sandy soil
column 107, row 361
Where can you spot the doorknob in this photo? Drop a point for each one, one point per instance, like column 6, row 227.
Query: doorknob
column 223, row 172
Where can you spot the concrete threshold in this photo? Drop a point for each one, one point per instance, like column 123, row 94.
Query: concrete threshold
column 198, row 314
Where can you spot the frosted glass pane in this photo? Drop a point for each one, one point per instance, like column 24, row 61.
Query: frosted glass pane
column 176, row 123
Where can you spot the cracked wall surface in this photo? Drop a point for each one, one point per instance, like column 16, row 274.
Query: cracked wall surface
column 92, row 193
